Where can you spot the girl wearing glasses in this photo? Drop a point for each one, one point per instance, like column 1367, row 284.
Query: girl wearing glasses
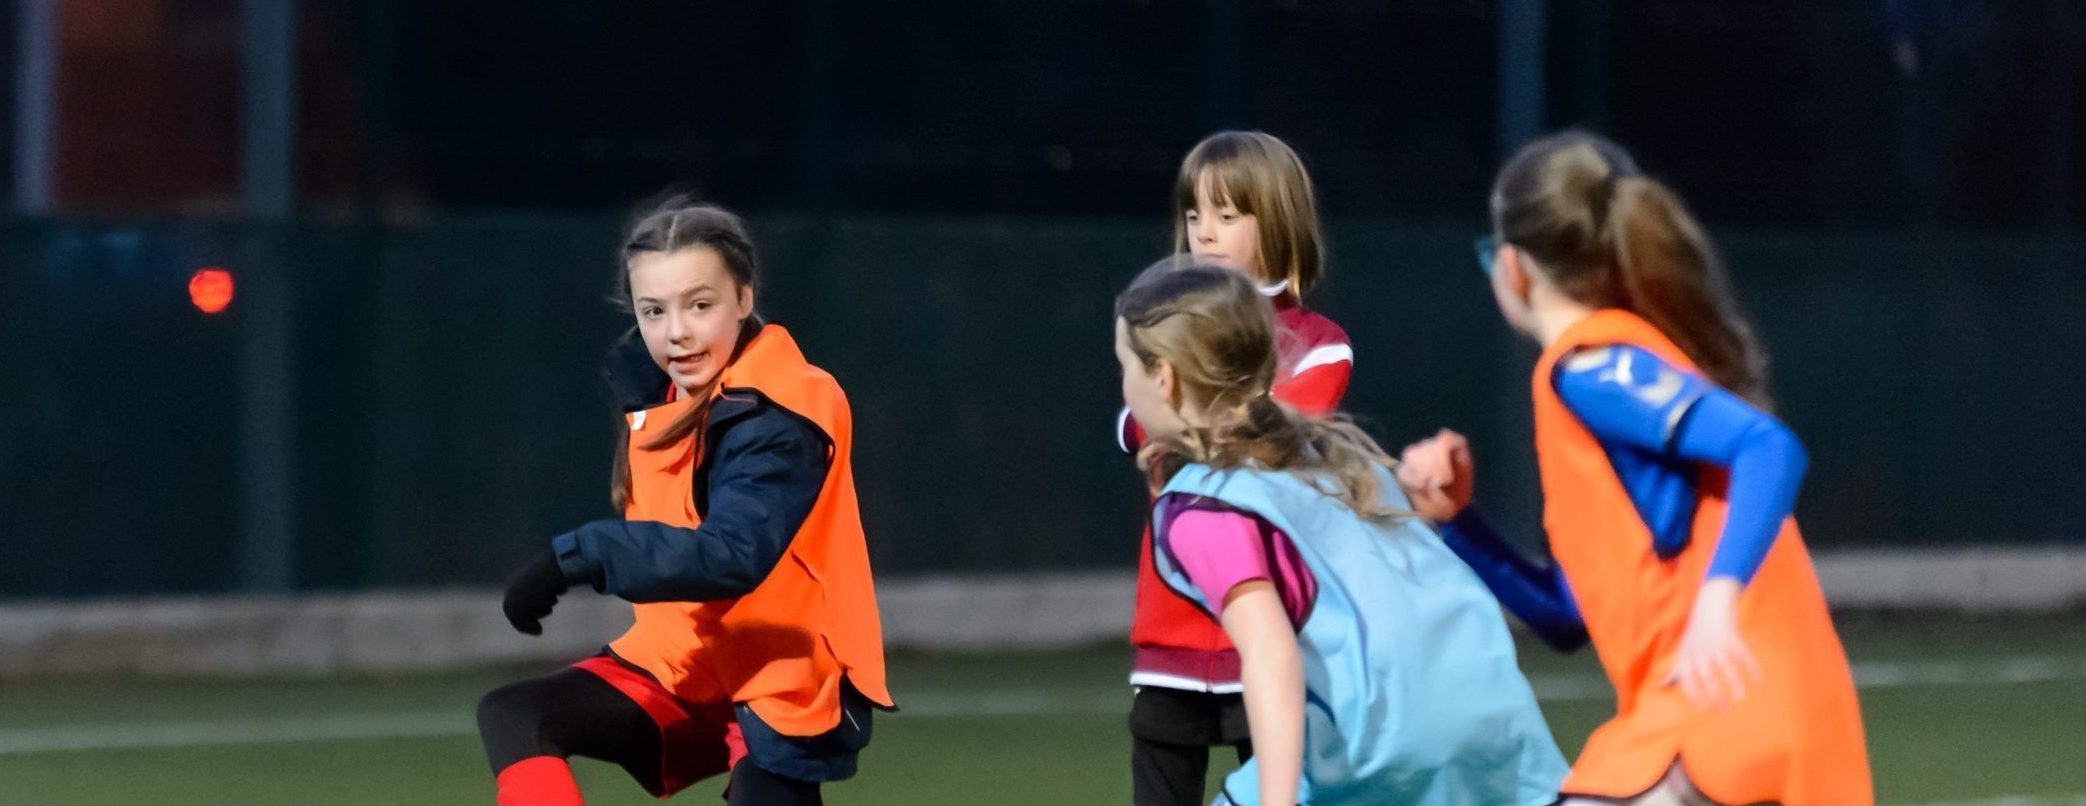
column 1668, row 488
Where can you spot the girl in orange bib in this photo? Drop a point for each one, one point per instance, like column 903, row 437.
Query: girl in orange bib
column 756, row 648
column 1667, row 492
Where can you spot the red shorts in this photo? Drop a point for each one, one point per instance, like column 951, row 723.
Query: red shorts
column 695, row 742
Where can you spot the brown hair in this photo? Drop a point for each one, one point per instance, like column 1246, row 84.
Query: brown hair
column 1262, row 177
column 1217, row 332
column 1611, row 237
column 673, row 224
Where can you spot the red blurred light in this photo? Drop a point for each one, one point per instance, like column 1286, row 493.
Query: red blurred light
column 210, row 290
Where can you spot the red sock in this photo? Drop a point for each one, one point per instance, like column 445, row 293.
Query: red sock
column 538, row 781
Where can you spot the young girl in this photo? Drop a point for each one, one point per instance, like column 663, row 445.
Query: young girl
column 1376, row 668
column 756, row 648
column 1242, row 201
column 1667, row 494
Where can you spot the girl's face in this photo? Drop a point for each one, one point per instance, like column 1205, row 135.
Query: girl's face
column 1152, row 393
column 689, row 310
column 1220, row 234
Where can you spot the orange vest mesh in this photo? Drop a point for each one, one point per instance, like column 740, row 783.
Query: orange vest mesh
column 1796, row 738
column 783, row 648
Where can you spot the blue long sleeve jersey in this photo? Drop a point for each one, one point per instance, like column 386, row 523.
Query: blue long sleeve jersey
column 1658, row 425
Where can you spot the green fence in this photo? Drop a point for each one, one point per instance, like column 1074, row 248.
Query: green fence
column 446, row 414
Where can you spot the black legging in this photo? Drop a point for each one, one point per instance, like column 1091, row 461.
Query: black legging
column 572, row 712
column 1171, row 735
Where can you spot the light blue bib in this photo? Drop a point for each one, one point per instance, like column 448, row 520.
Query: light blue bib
column 1411, row 691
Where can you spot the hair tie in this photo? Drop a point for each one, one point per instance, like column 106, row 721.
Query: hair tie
column 1604, row 193
column 1604, row 196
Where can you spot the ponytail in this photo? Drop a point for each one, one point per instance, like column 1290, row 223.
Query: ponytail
column 1670, row 275
column 684, row 426
column 1331, row 454
column 1610, row 237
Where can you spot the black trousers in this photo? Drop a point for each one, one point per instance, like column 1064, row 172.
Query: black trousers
column 1171, row 733
column 571, row 712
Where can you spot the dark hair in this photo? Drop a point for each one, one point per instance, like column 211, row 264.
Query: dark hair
column 673, row 223
column 676, row 222
column 1611, row 237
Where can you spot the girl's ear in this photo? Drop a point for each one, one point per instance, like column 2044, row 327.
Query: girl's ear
column 1511, row 283
column 1519, row 272
column 746, row 298
column 1519, row 275
column 1169, row 384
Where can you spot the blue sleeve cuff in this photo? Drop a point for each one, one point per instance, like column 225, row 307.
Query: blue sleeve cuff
column 574, row 559
column 1535, row 593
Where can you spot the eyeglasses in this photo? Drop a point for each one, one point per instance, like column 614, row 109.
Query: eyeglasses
column 1488, row 249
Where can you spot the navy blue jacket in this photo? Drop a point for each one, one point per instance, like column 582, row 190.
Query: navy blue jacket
column 761, row 471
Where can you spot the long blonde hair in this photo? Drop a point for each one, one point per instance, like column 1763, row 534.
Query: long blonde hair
column 1217, row 331
column 1264, row 178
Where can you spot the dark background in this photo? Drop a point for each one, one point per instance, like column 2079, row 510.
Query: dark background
column 948, row 194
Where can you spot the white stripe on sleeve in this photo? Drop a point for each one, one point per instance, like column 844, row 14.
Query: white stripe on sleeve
column 1322, row 355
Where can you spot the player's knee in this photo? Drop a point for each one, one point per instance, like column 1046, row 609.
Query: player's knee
column 510, row 723
column 508, row 712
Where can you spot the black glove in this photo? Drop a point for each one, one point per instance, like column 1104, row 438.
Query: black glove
column 533, row 592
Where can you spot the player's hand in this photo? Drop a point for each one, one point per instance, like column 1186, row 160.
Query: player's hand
column 533, row 592
column 1713, row 666
column 1438, row 475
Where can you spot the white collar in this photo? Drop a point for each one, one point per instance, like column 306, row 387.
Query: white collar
column 1275, row 290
